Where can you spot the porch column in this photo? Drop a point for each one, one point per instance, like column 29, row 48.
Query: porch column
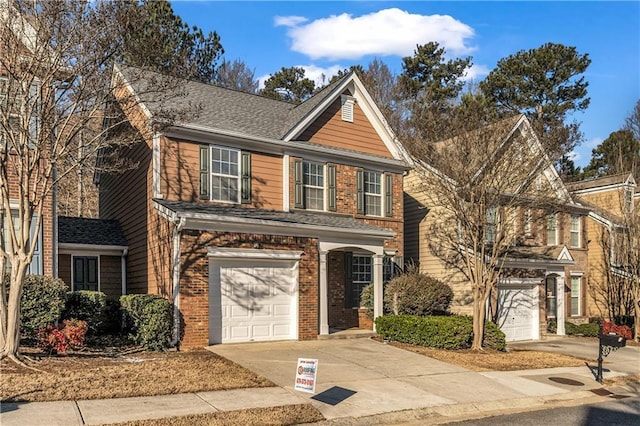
column 324, row 294
column 560, row 304
column 377, row 287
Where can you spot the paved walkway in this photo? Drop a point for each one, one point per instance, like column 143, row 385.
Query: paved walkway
column 357, row 378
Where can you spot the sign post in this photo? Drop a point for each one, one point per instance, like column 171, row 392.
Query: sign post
column 306, row 372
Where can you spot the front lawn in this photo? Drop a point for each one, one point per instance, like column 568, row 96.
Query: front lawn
column 98, row 375
column 492, row 360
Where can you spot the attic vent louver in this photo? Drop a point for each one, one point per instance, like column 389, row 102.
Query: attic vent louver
column 347, row 108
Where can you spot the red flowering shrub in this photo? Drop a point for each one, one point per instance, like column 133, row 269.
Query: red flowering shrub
column 57, row 339
column 621, row 330
column 75, row 331
column 52, row 339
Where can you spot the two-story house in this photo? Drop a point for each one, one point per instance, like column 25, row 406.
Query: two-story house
column 21, row 95
column 260, row 219
column 543, row 267
column 612, row 202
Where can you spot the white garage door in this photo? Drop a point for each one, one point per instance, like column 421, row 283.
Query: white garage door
column 518, row 312
column 253, row 301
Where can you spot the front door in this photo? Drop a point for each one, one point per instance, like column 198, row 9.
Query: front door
column 85, row 273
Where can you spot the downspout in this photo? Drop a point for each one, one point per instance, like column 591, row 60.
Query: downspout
column 177, row 233
column 123, row 270
column 54, row 213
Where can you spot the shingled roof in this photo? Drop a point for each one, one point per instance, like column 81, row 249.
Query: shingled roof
column 275, row 217
column 81, row 230
column 617, row 179
column 222, row 108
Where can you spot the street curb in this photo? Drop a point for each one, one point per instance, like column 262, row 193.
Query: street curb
column 459, row 412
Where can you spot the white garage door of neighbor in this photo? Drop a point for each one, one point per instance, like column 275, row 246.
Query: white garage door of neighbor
column 257, row 302
column 518, row 312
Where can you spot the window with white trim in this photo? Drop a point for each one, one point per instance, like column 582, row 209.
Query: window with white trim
column 552, row 229
column 491, row 224
column 36, row 266
column 362, row 276
column 575, row 295
column 313, row 182
column 225, row 174
column 527, row 222
column 574, row 239
column 373, row 193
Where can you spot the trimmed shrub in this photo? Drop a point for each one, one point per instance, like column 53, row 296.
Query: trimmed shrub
column 571, row 329
column 442, row 332
column 42, row 302
column 149, row 319
column 414, row 293
column 87, row 306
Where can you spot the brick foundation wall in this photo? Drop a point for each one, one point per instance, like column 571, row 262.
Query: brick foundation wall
column 194, row 280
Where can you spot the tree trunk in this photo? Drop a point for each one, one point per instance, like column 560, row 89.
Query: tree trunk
column 12, row 341
column 479, row 317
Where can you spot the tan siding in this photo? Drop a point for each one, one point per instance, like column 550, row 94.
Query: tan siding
column 110, row 276
column 181, row 174
column 126, row 197
column 329, row 129
column 64, row 268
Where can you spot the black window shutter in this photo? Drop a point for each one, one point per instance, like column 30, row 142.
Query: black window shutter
column 331, row 179
column 245, row 176
column 360, row 191
column 298, row 196
column 348, row 280
column 388, row 195
column 205, row 174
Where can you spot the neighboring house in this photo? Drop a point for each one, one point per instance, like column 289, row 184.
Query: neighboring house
column 92, row 255
column 545, row 273
column 610, row 198
column 260, row 219
column 11, row 103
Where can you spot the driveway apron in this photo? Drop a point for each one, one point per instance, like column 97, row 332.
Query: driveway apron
column 360, row 377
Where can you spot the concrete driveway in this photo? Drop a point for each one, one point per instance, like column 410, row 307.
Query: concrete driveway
column 625, row 360
column 361, row 377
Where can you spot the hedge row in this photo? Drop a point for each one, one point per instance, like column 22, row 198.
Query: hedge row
column 571, row 329
column 442, row 332
column 147, row 319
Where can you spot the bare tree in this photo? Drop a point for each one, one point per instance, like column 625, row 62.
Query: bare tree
column 238, row 76
column 56, row 67
column 477, row 183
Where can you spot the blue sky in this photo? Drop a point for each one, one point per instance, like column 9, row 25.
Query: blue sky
column 325, row 36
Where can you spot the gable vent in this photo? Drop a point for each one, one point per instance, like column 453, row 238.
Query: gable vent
column 347, row 108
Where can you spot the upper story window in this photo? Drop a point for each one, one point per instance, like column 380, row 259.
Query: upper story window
column 373, row 193
column 491, row 224
column 313, row 184
column 225, row 174
column 575, row 231
column 628, row 199
column 552, row 229
column 527, row 222
column 13, row 97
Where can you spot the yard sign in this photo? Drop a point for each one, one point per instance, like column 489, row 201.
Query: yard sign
column 306, row 375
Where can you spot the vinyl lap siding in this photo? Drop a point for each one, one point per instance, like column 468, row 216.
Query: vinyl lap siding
column 329, row 129
column 180, row 174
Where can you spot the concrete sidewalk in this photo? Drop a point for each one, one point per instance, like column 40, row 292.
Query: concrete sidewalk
column 105, row 411
column 359, row 381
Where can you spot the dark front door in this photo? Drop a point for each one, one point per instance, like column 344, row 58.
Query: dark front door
column 85, row 273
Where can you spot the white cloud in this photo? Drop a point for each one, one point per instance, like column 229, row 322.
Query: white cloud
column 386, row 32
column 476, row 72
column 312, row 72
column 289, row 21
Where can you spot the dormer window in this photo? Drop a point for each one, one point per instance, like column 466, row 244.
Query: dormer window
column 347, row 108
